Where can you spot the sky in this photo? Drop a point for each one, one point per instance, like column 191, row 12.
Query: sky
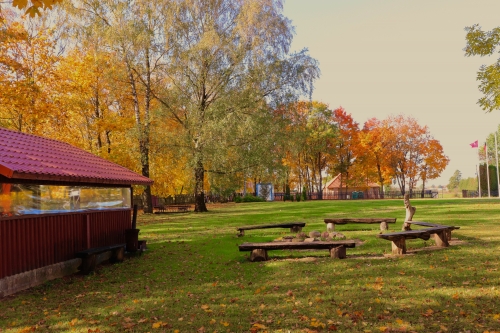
column 392, row 57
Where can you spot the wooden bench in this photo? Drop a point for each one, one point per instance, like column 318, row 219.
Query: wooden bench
column 294, row 227
column 259, row 250
column 435, row 225
column 442, row 235
column 89, row 256
column 330, row 223
column 171, row 209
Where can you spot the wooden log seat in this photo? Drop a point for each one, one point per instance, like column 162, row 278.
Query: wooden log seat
column 434, row 225
column 294, row 227
column 398, row 239
column 171, row 209
column 259, row 250
column 330, row 223
column 89, row 256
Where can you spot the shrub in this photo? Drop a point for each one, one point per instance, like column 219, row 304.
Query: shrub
column 248, row 198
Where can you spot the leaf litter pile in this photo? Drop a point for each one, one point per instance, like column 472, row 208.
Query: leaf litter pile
column 192, row 278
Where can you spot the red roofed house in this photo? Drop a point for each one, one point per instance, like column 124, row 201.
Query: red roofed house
column 56, row 200
column 332, row 190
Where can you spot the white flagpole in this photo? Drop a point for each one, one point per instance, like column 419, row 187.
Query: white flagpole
column 487, row 169
column 496, row 156
column 479, row 172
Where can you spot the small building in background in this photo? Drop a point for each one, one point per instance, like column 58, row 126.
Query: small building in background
column 332, row 190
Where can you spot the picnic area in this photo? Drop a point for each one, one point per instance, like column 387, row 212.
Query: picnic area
column 193, row 277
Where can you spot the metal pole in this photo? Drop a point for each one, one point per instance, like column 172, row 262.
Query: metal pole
column 487, row 169
column 479, row 176
column 496, row 156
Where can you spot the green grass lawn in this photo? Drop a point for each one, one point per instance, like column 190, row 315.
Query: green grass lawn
column 192, row 278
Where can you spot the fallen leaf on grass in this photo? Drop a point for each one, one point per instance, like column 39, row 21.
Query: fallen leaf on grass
column 157, row 324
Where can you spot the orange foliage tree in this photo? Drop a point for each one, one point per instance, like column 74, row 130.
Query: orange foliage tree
column 414, row 155
column 28, row 56
column 346, row 147
column 375, row 138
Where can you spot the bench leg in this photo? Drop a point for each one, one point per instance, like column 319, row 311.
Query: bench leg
column 88, row 264
column 399, row 246
column 242, row 233
column 384, row 226
column 330, row 227
column 338, row 252
column 441, row 239
column 117, row 255
column 259, row 255
column 296, row 229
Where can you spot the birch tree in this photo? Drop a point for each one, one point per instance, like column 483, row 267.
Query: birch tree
column 228, row 67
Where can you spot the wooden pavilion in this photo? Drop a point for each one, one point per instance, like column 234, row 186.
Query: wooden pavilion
column 56, row 200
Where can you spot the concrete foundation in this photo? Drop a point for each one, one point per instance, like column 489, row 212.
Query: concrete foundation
column 12, row 284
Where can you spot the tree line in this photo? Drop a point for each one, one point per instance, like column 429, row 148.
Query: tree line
column 198, row 95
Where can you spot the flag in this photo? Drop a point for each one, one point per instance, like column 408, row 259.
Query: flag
column 474, row 144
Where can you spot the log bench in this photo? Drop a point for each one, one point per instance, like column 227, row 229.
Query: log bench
column 294, row 227
column 171, row 209
column 330, row 223
column 434, row 225
column 259, row 250
column 89, row 256
column 442, row 235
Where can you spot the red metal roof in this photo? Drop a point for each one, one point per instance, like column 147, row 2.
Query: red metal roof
column 31, row 157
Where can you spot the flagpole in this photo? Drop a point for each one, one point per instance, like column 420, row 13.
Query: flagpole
column 496, row 156
column 479, row 172
column 487, row 168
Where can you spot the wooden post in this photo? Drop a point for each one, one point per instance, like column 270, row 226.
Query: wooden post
column 399, row 246
column 441, row 239
column 259, row 255
column 338, row 252
column 410, row 211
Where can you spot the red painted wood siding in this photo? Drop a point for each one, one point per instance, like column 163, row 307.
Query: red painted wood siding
column 35, row 241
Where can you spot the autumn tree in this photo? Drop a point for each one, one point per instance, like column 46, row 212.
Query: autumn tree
column 375, row 140
column 28, row 57
column 415, row 155
column 434, row 161
column 346, row 145
column 133, row 31
column 454, row 180
column 485, row 43
column 228, row 67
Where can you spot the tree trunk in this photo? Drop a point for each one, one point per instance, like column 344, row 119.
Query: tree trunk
column 320, row 192
column 410, row 211
column 199, row 175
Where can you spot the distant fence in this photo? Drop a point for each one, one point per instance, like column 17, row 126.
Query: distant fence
column 185, row 199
